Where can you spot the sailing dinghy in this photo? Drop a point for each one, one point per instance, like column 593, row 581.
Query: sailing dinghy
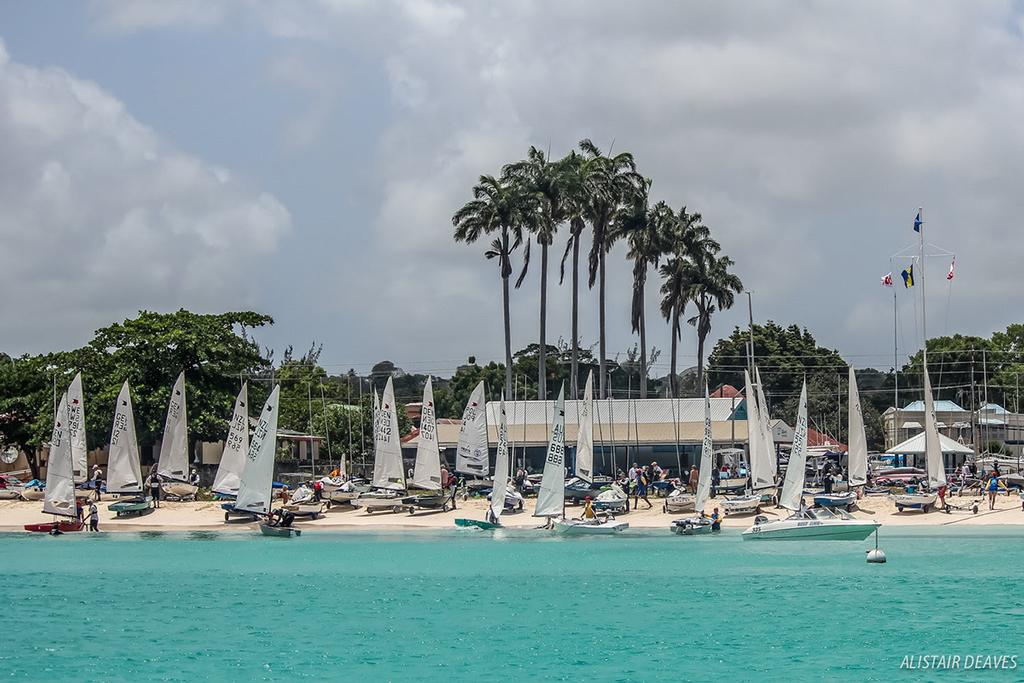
column 762, row 477
column 233, row 458
column 59, row 496
column 856, row 456
column 76, row 431
column 700, row 523
column 256, row 485
column 501, row 466
column 551, row 498
column 925, row 500
column 173, row 463
column 388, row 471
column 427, row 470
column 124, row 471
column 805, row 524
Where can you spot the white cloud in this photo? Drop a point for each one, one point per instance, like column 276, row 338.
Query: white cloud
column 99, row 217
column 805, row 133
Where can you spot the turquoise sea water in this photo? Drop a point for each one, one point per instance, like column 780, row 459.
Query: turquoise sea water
column 463, row 605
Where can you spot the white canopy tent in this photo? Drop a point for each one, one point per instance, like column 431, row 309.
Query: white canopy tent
column 915, row 446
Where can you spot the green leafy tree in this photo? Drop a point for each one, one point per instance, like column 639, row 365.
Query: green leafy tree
column 713, row 289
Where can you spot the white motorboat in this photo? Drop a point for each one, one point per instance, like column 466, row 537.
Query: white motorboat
column 816, row 524
column 922, row 501
column 821, row 524
column 742, row 505
column 595, row 526
column 679, row 501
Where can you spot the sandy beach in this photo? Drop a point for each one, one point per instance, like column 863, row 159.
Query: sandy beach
column 208, row 516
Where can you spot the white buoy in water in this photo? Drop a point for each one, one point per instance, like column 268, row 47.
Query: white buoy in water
column 876, row 555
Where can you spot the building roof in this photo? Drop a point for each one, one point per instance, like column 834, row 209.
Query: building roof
column 940, row 407
column 649, row 421
column 816, row 439
column 993, row 408
column 915, row 445
column 725, row 391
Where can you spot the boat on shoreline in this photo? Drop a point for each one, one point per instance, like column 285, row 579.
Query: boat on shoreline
column 700, row 523
column 59, row 496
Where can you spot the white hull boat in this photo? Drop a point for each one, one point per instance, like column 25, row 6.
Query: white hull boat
column 513, row 500
column 576, row 527
column 33, row 494
column 332, row 483
column 679, row 501
column 691, row 526
column 373, row 502
column 915, row 501
column 742, row 505
column 613, row 500
column 816, row 525
column 835, row 500
column 341, row 496
column 179, row 490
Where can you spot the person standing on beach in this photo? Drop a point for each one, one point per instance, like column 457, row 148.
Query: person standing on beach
column 694, row 478
column 97, row 480
column 154, row 486
column 641, row 491
column 94, row 517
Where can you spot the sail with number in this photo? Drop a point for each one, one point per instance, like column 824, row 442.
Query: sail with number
column 706, row 454
column 932, row 446
column 426, row 473
column 471, row 457
column 59, row 497
column 236, row 446
column 767, row 440
column 388, row 472
column 585, row 435
column 793, row 486
column 124, row 471
column 173, row 463
column 551, row 498
column 501, row 465
column 256, row 486
column 857, row 454
column 76, row 430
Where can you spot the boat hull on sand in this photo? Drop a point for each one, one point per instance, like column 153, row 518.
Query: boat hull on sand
column 742, row 505
column 476, row 524
column 575, row 527
column 836, row 500
column 915, row 501
column 179, row 490
column 47, row 527
column 33, row 494
column 131, row 506
column 374, row 503
column 279, row 531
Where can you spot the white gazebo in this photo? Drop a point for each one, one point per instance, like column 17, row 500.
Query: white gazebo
column 953, row 452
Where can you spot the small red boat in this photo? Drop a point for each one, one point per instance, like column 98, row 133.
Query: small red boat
column 47, row 527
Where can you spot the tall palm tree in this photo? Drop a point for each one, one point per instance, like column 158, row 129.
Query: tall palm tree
column 497, row 207
column 713, row 286
column 645, row 230
column 614, row 183
column 575, row 172
column 688, row 242
column 544, row 190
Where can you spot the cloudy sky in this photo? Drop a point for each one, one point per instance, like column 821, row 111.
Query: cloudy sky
column 304, row 160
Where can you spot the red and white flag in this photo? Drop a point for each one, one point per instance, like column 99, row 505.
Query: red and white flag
column 887, row 280
column 952, row 267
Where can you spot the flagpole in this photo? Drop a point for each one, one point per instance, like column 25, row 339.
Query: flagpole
column 924, row 302
column 895, row 369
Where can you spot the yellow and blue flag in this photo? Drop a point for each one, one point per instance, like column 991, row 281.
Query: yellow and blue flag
column 917, row 223
column 908, row 277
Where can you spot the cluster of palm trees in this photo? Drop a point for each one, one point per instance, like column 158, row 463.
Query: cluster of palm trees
column 587, row 188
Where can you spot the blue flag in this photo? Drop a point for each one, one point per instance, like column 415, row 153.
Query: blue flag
column 908, row 277
column 918, row 221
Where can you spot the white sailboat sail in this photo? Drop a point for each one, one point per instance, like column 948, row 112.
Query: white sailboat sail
column 767, row 440
column 76, row 430
column 857, row 454
column 426, row 473
column 124, row 472
column 388, row 472
column 761, row 474
column 793, row 486
column 932, row 446
column 551, row 498
column 257, row 481
column 471, row 457
column 706, row 454
column 236, row 446
column 501, row 465
column 59, row 498
column 173, row 463
column 585, row 435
